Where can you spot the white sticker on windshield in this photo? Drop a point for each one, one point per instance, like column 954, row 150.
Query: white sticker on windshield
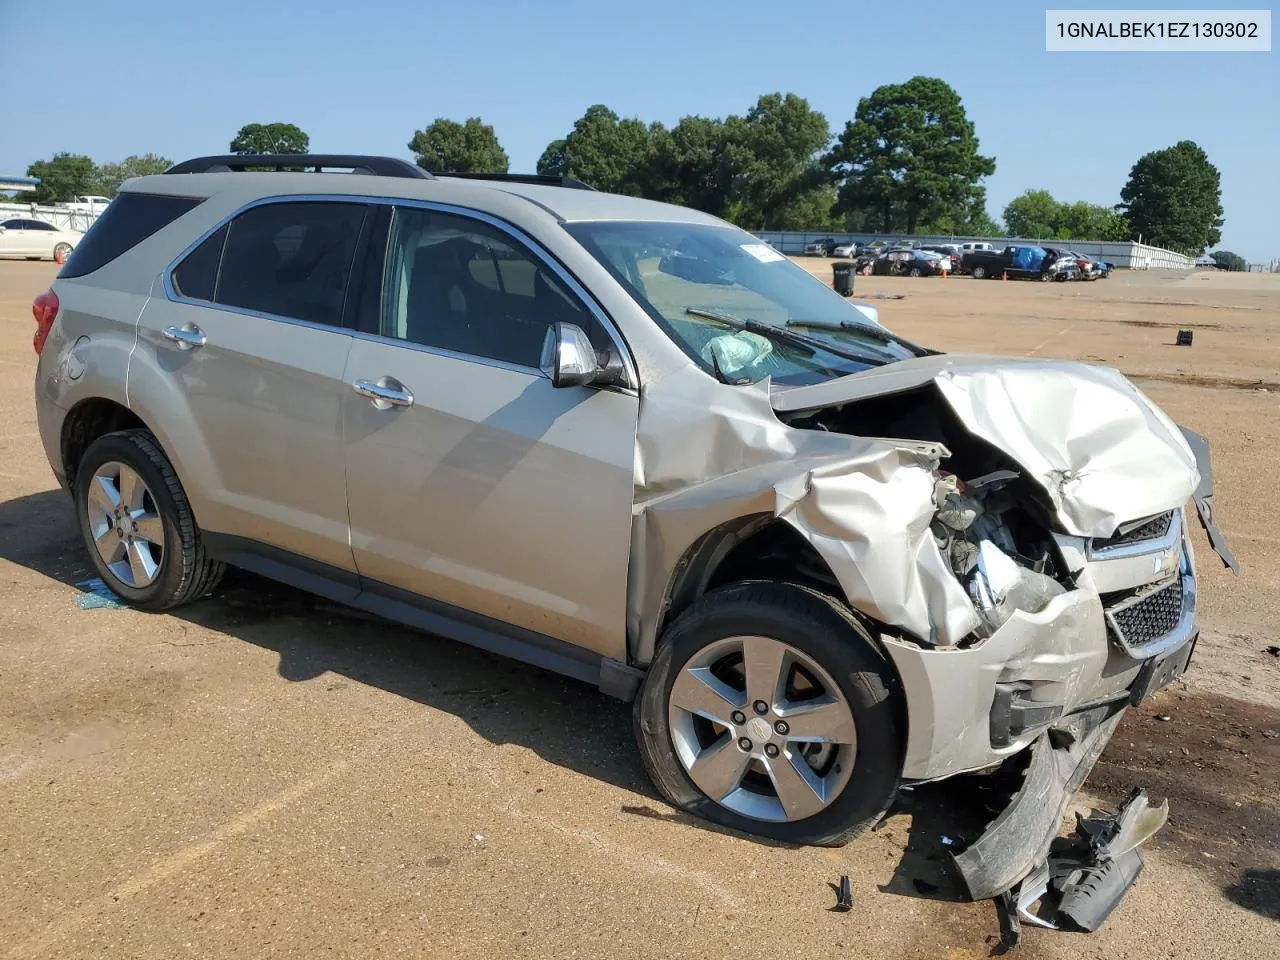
column 763, row 252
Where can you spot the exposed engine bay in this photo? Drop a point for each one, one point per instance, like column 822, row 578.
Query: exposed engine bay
column 990, row 524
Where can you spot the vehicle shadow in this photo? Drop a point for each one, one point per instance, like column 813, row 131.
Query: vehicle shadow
column 1257, row 890
column 567, row 723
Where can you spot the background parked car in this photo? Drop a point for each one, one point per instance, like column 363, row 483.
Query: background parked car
column 820, row 248
column 1091, row 268
column 36, row 239
column 948, row 250
column 849, row 250
column 1021, row 262
column 1060, row 265
column 911, row 263
column 90, row 203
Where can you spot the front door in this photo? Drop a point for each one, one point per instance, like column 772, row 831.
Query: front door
column 15, row 239
column 471, row 479
column 243, row 358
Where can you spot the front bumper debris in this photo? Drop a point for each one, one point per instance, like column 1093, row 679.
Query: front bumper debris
column 1083, row 880
column 1020, row 862
column 1034, row 876
column 1018, row 840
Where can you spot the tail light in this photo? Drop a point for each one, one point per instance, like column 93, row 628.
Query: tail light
column 45, row 308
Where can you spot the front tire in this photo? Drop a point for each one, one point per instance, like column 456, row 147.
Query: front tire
column 978, row 272
column 137, row 524
column 768, row 710
column 60, row 252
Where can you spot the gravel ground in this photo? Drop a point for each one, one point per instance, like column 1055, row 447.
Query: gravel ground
column 263, row 774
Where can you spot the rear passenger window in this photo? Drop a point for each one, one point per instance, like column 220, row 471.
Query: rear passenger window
column 197, row 275
column 290, row 260
column 128, row 220
column 462, row 285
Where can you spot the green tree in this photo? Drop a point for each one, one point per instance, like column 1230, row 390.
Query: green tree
column 968, row 220
column 811, row 209
column 758, row 170
column 910, row 154
column 780, row 178
column 1174, row 199
column 1036, row 214
column 63, row 177
column 1033, row 215
column 1091, row 221
column 610, row 154
column 553, row 160
column 1226, row 260
column 270, row 138
column 110, row 176
column 694, row 164
column 447, row 146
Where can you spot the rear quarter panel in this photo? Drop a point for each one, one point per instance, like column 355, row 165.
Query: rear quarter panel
column 86, row 356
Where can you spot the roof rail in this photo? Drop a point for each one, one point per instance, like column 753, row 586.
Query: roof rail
column 548, row 180
column 312, row 162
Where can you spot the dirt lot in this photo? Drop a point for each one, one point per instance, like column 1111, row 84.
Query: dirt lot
column 263, row 774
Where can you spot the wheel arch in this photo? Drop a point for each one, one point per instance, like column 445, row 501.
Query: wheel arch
column 762, row 547
column 88, row 420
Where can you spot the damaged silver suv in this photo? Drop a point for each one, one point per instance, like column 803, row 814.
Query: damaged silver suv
column 631, row 443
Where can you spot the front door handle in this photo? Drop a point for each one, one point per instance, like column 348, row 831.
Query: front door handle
column 187, row 337
column 384, row 393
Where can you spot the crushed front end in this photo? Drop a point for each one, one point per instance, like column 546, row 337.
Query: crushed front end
column 1063, row 509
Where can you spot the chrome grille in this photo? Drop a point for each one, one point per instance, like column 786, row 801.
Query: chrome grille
column 1147, row 530
column 1149, row 617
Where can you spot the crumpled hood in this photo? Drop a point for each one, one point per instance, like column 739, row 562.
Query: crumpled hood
column 1102, row 451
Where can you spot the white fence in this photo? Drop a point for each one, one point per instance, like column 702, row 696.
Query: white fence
column 58, row 216
column 1125, row 254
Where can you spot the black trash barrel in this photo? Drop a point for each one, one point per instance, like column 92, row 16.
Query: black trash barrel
column 842, row 277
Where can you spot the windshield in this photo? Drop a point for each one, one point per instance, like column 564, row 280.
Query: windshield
column 712, row 288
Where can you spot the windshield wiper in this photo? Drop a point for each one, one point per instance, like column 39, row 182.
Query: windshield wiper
column 852, row 326
column 781, row 335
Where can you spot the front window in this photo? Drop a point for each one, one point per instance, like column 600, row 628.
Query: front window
column 735, row 305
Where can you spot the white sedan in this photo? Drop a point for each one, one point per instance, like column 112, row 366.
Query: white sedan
column 36, row 240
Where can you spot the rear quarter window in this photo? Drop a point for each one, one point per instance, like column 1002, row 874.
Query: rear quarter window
column 128, row 220
column 197, row 276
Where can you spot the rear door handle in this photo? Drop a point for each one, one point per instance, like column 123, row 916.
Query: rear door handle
column 384, row 393
column 187, row 337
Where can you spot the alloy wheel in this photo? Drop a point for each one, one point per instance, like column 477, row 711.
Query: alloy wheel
column 125, row 523
column 762, row 729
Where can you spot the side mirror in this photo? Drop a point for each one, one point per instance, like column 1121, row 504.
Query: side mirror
column 570, row 360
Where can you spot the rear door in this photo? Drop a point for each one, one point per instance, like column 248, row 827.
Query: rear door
column 41, row 238
column 479, row 484
column 242, row 357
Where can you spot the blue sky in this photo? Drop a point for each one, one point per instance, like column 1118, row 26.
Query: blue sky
column 179, row 79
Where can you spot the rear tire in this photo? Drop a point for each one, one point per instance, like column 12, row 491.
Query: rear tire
column 978, row 272
column 823, row 639
column 60, row 252
column 915, row 272
column 154, row 576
